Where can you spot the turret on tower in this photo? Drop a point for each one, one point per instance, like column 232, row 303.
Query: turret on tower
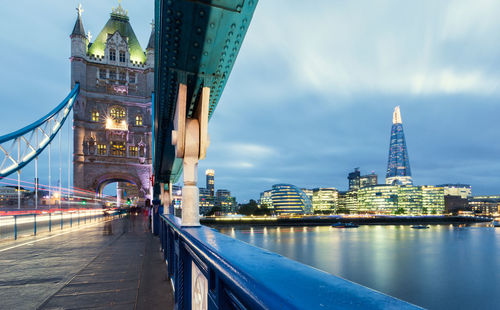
column 79, row 40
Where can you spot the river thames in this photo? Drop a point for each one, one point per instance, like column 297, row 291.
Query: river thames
column 443, row 267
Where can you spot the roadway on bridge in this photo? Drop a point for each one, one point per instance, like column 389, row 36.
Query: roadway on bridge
column 110, row 265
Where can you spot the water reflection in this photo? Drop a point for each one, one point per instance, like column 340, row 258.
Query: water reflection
column 444, row 267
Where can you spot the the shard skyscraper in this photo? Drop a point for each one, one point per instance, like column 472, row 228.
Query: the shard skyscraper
column 398, row 166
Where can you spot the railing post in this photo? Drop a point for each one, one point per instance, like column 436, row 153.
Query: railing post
column 61, row 220
column 70, row 219
column 50, row 222
column 15, row 227
column 34, row 224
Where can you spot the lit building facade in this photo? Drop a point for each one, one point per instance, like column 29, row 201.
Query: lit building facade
column 486, row 205
column 357, row 181
column 288, row 199
column 463, row 191
column 398, row 165
column 112, row 114
column 210, row 177
column 207, row 201
column 405, row 199
column 325, row 199
column 225, row 201
column 376, row 199
column 266, row 200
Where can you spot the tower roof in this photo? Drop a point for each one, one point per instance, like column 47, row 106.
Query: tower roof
column 151, row 43
column 78, row 29
column 396, row 116
column 118, row 22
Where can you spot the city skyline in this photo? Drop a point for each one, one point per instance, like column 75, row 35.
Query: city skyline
column 307, row 113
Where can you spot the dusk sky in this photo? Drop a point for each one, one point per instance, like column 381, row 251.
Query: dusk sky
column 312, row 92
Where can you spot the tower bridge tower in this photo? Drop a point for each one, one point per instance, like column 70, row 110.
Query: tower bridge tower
column 112, row 116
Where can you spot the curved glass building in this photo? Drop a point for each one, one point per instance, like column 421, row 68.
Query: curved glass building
column 288, row 199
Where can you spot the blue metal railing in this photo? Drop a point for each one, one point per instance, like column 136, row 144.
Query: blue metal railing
column 231, row 274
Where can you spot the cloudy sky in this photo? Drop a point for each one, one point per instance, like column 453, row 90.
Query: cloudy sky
column 312, row 91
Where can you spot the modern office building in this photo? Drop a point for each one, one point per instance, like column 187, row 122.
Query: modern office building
column 207, row 201
column 368, row 180
column 325, row 199
column 266, row 200
column 463, row 191
column 486, row 205
column 288, row 199
column 404, row 199
column 382, row 199
column 432, row 199
column 210, row 175
column 225, row 201
column 308, row 192
column 357, row 181
column 398, row 165
column 354, row 179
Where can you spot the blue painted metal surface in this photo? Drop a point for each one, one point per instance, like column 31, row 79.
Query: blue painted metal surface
column 241, row 276
column 197, row 42
column 19, row 148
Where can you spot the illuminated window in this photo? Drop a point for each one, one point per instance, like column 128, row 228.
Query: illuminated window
column 138, row 120
column 117, row 148
column 101, row 149
column 112, row 75
column 131, row 77
column 102, row 73
column 117, row 113
column 122, row 56
column 95, row 116
column 132, row 151
column 112, row 55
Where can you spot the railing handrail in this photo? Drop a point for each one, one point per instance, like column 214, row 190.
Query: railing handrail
column 266, row 280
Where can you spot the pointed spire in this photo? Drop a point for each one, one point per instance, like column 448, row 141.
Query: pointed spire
column 151, row 43
column 396, row 116
column 78, row 29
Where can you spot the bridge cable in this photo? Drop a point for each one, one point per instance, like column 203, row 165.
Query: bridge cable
column 60, row 169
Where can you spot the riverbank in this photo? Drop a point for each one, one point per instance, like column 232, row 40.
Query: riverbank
column 328, row 220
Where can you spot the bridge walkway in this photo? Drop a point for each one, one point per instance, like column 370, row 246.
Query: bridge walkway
column 109, row 265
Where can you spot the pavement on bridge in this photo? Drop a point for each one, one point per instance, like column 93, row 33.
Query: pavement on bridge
column 110, row 265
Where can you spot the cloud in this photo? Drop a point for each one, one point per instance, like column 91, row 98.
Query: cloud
column 389, row 47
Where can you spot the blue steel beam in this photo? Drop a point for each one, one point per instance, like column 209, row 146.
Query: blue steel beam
column 197, row 42
column 19, row 148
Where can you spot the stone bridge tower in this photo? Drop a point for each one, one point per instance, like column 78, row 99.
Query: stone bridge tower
column 112, row 116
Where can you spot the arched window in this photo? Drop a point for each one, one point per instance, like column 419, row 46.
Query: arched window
column 117, row 113
column 138, row 120
column 95, row 116
column 112, row 54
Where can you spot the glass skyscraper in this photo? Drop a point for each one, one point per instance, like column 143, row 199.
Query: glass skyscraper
column 398, row 166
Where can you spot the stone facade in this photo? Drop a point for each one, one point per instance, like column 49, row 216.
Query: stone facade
column 112, row 115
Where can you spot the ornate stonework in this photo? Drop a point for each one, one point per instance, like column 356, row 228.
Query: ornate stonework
column 112, row 116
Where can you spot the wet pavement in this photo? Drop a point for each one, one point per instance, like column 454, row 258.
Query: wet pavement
column 110, row 265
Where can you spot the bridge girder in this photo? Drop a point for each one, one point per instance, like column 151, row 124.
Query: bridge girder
column 197, row 42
